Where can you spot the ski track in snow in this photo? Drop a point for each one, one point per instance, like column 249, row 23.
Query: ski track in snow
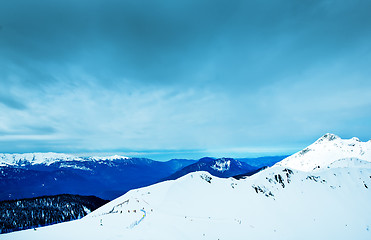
column 136, row 223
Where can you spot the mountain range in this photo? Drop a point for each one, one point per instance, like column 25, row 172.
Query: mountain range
column 321, row 192
column 39, row 174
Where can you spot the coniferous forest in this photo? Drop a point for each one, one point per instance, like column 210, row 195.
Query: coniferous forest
column 41, row 211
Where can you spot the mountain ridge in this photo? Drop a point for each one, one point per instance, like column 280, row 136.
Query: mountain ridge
column 108, row 178
column 46, row 158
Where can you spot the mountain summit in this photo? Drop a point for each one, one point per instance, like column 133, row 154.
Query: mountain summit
column 327, row 151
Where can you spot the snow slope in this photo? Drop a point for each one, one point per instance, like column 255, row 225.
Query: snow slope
column 332, row 202
column 296, row 205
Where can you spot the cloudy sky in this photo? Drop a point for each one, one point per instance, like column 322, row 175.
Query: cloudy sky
column 182, row 78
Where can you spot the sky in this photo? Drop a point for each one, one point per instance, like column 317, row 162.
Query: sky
column 165, row 79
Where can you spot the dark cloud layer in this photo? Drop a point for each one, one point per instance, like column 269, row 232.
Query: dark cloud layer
column 242, row 70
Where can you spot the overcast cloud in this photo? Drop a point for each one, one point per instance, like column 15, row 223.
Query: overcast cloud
column 209, row 77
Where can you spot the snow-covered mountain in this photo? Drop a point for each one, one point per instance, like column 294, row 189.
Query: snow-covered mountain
column 24, row 159
column 328, row 150
column 287, row 201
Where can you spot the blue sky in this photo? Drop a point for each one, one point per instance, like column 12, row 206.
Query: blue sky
column 182, row 78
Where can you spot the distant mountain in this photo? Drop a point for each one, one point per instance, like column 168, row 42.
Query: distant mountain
column 37, row 174
column 36, row 212
column 221, row 167
column 26, row 159
column 260, row 162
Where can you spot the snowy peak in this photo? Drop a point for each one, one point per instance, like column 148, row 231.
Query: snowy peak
column 327, row 150
column 35, row 158
column 327, row 137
